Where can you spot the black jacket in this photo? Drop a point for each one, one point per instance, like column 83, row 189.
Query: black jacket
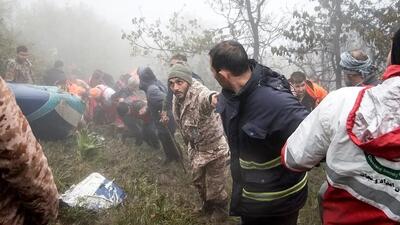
column 257, row 122
column 53, row 76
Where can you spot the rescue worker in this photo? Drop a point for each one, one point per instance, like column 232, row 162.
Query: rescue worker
column 77, row 87
column 258, row 113
column 19, row 70
column 202, row 132
column 28, row 194
column 131, row 89
column 357, row 130
column 122, row 82
column 104, row 110
column 155, row 94
column 182, row 60
column 309, row 93
column 100, row 77
column 358, row 69
column 55, row 75
column 131, row 108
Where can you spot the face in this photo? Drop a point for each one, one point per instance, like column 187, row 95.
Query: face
column 300, row 89
column 22, row 56
column 179, row 87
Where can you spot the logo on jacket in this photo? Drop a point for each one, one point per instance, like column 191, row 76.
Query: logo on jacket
column 381, row 169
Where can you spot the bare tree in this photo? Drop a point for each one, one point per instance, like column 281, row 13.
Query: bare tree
column 178, row 35
column 248, row 22
column 333, row 27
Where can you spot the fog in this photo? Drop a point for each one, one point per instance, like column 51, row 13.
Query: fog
column 86, row 35
column 289, row 35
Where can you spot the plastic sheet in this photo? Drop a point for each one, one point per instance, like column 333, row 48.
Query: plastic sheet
column 95, row 192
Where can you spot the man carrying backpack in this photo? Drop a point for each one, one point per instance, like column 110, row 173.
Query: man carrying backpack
column 258, row 113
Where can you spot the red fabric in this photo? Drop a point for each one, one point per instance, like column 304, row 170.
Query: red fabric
column 342, row 208
column 391, row 71
column 110, row 113
column 119, row 122
column 89, row 112
column 386, row 146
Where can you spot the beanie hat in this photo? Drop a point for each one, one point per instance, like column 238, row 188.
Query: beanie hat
column 180, row 71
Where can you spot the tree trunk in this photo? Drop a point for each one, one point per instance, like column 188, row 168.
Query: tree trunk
column 337, row 23
column 254, row 31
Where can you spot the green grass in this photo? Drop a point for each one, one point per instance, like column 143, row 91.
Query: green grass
column 156, row 194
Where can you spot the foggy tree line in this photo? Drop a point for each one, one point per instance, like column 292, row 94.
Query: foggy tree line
column 71, row 33
column 309, row 40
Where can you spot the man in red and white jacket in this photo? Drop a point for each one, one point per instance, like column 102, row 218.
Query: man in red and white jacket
column 357, row 129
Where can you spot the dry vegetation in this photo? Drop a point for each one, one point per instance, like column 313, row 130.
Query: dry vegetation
column 157, row 194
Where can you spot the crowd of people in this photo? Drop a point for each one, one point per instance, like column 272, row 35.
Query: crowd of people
column 268, row 129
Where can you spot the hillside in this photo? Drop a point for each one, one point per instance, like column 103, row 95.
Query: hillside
column 156, row 194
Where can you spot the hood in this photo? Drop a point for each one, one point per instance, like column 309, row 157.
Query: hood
column 146, row 77
column 374, row 122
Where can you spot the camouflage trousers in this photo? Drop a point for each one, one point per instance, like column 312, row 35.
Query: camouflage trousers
column 210, row 180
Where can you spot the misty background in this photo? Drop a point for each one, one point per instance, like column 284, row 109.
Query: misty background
column 118, row 36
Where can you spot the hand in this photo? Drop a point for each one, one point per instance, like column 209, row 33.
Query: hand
column 214, row 100
column 164, row 117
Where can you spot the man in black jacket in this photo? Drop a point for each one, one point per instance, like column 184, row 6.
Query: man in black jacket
column 155, row 95
column 258, row 113
column 55, row 75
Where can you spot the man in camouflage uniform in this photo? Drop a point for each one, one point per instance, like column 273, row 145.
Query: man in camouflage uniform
column 28, row 194
column 201, row 128
column 19, row 70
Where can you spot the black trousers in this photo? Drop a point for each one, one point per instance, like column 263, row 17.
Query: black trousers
column 167, row 143
column 150, row 135
column 290, row 219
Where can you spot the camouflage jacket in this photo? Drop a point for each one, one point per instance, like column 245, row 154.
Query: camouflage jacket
column 28, row 194
column 18, row 73
column 200, row 126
